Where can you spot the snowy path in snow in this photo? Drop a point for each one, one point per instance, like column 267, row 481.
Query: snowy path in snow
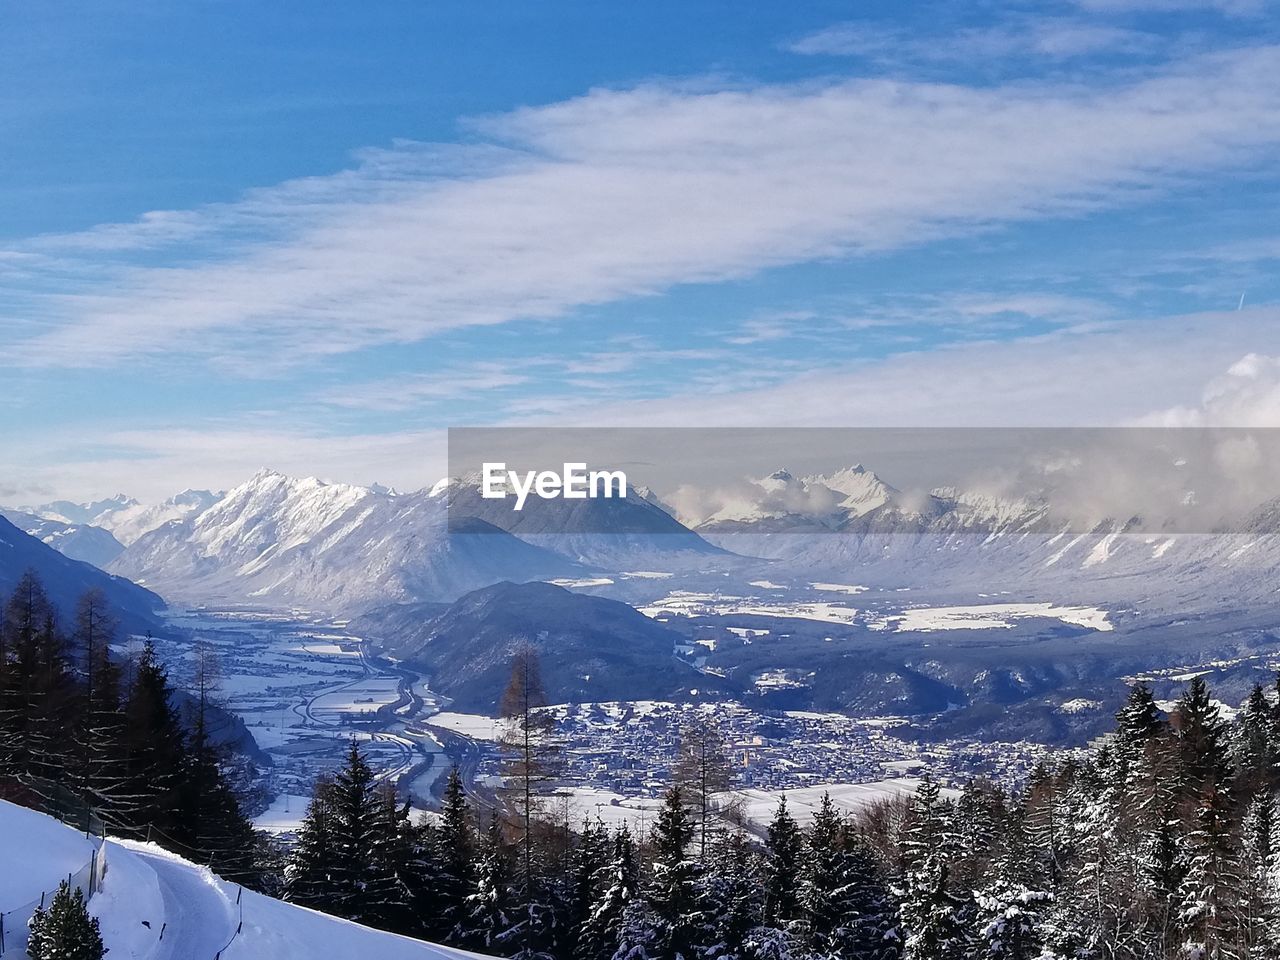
column 199, row 917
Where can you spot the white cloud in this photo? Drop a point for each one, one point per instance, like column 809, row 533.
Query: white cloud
column 621, row 194
column 1246, row 395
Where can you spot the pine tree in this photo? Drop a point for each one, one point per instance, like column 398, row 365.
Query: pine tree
column 65, row 931
column 1008, row 921
column 642, row 935
column 488, row 925
column 1260, row 907
column 310, row 877
column 1213, row 891
column 782, row 872
column 932, row 913
column 153, row 749
column 674, row 893
column 455, row 855
column 618, row 886
column 732, row 899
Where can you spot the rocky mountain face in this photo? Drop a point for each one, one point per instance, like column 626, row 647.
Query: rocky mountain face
column 591, row 648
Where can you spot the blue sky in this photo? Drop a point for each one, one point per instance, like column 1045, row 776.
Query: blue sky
column 316, row 235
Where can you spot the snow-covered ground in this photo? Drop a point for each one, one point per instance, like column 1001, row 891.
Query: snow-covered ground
column 147, row 890
column 986, row 616
column 36, row 853
column 468, row 724
column 759, row 806
column 876, row 613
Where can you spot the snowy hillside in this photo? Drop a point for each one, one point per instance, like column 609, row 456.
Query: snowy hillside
column 147, row 891
column 328, row 546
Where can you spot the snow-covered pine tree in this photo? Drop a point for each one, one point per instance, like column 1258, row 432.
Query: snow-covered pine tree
column 732, row 898
column 1255, row 750
column 933, row 915
column 1260, row 907
column 674, row 893
column 65, row 931
column 1213, row 891
column 1008, row 921
column 488, row 922
column 616, row 887
column 584, row 881
column 643, row 934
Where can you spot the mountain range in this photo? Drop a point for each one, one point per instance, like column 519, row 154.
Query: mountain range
column 331, row 547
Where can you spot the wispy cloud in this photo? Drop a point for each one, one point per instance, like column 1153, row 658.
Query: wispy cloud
column 622, row 194
column 1052, row 38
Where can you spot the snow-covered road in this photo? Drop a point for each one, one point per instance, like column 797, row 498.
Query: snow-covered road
column 199, row 910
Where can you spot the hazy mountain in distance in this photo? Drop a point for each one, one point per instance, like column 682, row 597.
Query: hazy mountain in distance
column 611, row 532
column 66, row 580
column 591, row 648
column 131, row 522
column 79, row 541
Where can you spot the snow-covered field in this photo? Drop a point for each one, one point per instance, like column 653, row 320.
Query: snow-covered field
column 468, row 725
column 875, row 614
column 986, row 616
column 759, row 806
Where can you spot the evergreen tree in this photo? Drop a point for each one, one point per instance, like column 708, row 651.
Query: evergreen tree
column 65, row 931
column 153, row 749
column 1008, row 921
column 642, row 935
column 732, row 899
column 455, row 854
column 674, row 894
column 782, row 872
column 598, row 936
column 932, row 914
column 488, row 925
column 311, row 875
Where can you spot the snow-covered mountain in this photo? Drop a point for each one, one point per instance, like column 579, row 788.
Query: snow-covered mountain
column 329, row 546
column 783, row 502
column 122, row 516
column 153, row 904
column 131, row 522
column 79, row 541
column 94, row 512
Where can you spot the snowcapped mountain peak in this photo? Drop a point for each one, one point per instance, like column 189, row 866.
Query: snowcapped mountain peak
column 861, row 490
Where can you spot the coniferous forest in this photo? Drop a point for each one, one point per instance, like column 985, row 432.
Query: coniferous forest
column 1159, row 841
